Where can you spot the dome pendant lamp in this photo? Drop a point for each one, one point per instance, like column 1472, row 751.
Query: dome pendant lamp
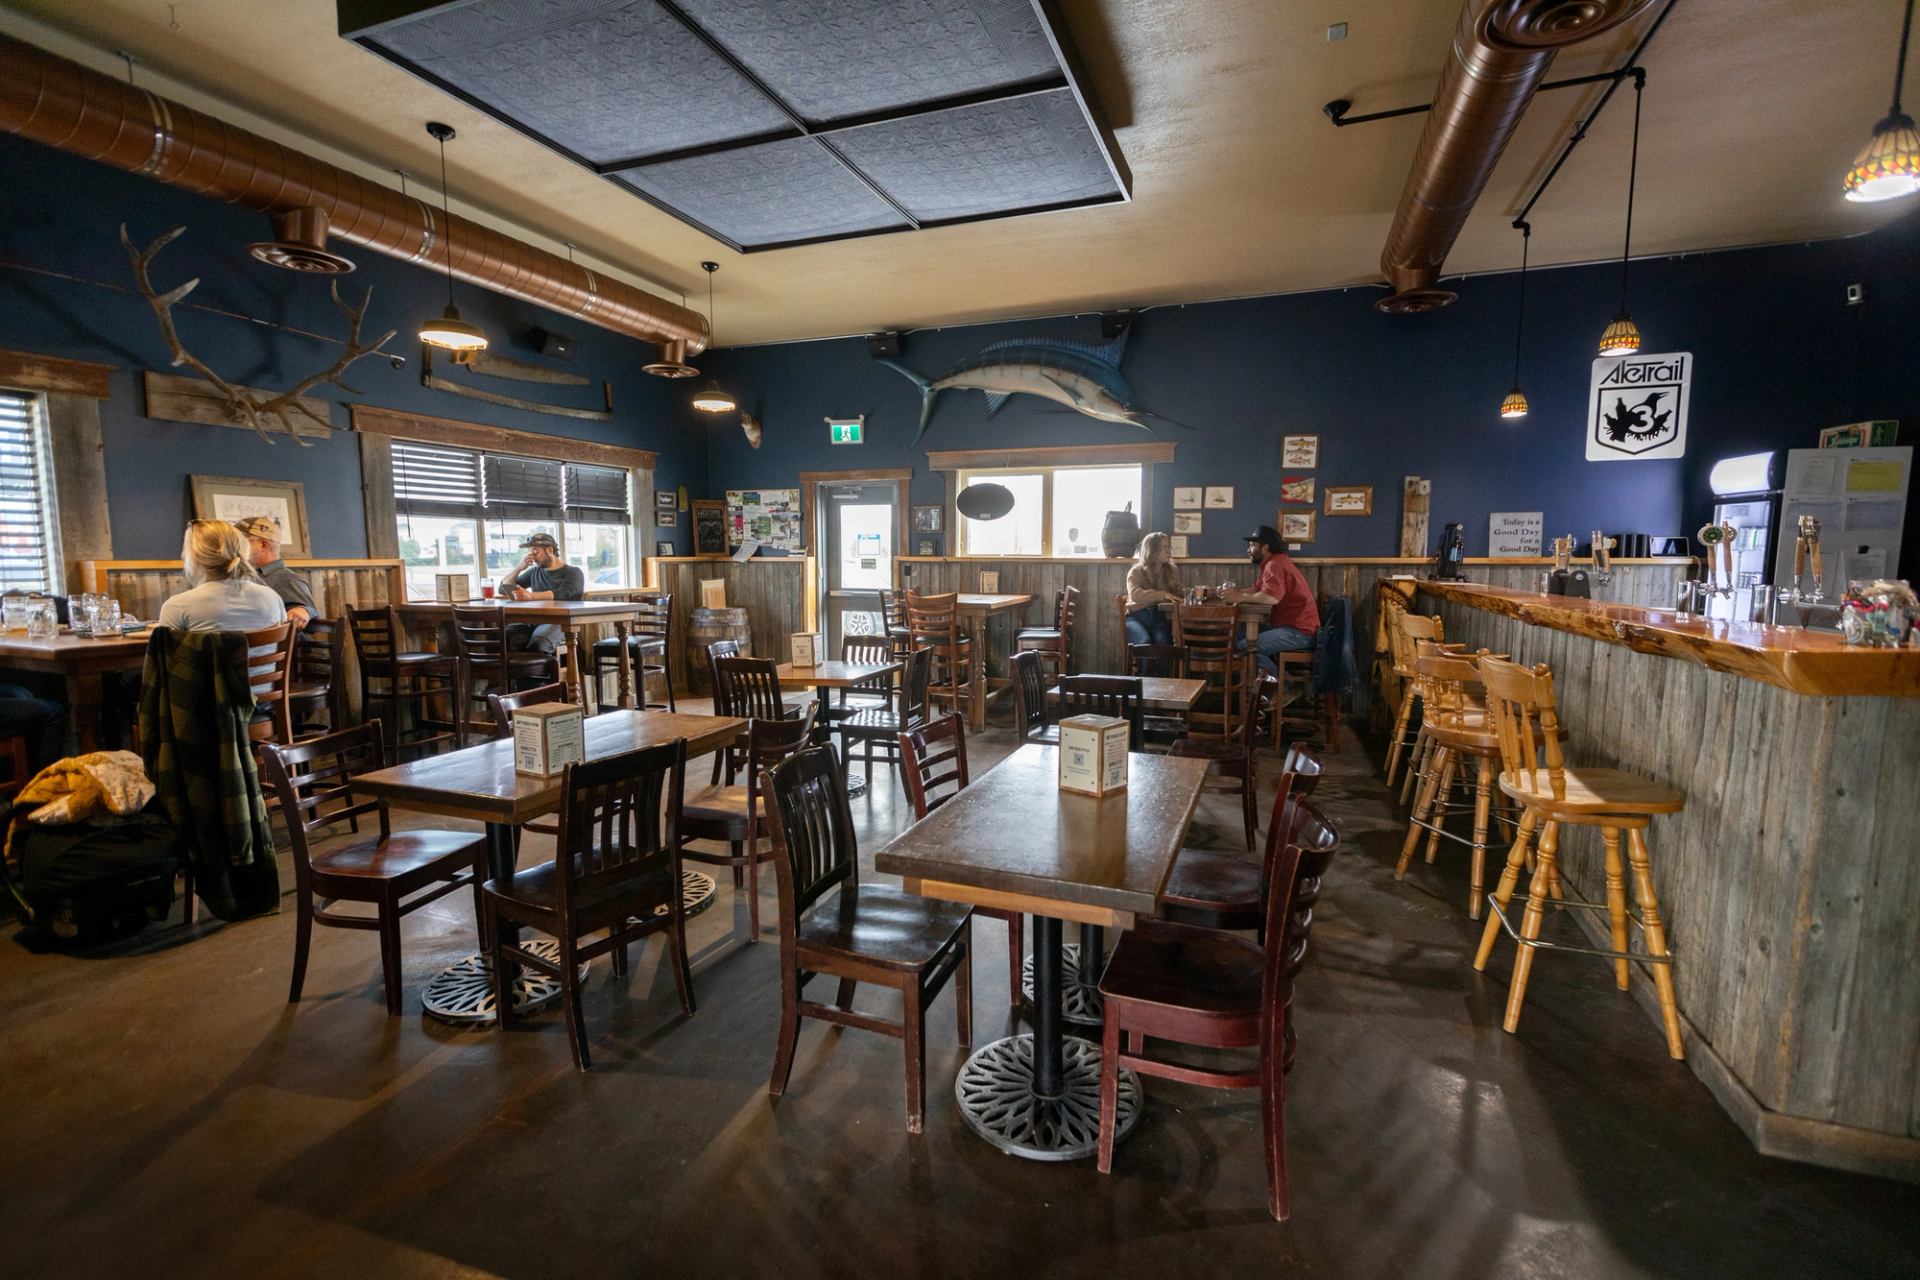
column 710, row 398
column 1515, row 405
column 1622, row 337
column 449, row 332
column 1889, row 165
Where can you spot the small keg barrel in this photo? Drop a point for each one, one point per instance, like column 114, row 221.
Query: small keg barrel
column 709, row 625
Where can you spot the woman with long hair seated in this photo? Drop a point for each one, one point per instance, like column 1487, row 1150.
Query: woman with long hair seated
column 1151, row 582
column 223, row 591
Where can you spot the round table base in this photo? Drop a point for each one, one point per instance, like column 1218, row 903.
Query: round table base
column 1079, row 1001
column 697, row 892
column 856, row 784
column 995, row 1091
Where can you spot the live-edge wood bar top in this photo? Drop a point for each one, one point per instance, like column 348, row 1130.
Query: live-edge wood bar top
column 1162, row 693
column 1015, row 833
column 1820, row 663
column 479, row 783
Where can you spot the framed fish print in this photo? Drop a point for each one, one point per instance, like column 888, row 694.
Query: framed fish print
column 1296, row 526
column 1299, row 451
column 1297, row 489
column 1349, row 499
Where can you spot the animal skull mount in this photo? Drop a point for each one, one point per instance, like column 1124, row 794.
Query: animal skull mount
column 751, row 426
column 246, row 406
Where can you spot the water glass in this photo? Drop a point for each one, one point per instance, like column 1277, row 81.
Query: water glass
column 41, row 624
column 13, row 613
column 106, row 617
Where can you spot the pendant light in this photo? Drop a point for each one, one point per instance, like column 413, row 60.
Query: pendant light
column 449, row 332
column 1515, row 405
column 1889, row 165
column 710, row 398
column 1622, row 337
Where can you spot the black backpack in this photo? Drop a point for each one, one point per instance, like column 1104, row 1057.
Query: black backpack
column 94, row 881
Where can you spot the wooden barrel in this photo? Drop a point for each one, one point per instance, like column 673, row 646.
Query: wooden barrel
column 1120, row 535
column 707, row 626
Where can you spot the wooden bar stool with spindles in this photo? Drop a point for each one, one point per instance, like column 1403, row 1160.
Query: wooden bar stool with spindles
column 1521, row 709
column 1456, row 724
column 934, row 622
column 1403, row 631
column 1054, row 644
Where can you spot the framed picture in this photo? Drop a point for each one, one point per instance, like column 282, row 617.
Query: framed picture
column 928, row 519
column 1186, row 497
column 925, row 548
column 661, row 549
column 1186, row 522
column 709, row 527
column 1296, row 489
column 1349, row 499
column 1219, row 497
column 666, row 519
column 1299, row 451
column 1179, row 541
column 665, row 500
column 1296, row 526
column 233, row 498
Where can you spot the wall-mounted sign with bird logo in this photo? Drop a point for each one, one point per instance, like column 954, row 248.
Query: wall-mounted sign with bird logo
column 1637, row 407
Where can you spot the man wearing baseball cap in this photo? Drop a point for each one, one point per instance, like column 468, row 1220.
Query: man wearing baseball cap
column 542, row 575
column 1294, row 617
column 263, row 552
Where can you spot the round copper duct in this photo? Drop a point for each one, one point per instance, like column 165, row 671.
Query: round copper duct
column 62, row 104
column 1501, row 52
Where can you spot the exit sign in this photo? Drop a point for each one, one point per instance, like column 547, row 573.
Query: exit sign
column 848, row 430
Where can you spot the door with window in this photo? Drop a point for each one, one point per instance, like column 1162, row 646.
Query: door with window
column 860, row 526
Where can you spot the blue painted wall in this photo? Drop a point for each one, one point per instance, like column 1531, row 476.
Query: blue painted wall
column 61, row 214
column 1778, row 356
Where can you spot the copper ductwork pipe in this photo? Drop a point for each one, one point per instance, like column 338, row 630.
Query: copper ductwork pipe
column 1501, row 52
column 65, row 105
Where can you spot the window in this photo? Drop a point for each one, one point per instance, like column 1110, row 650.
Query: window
column 459, row 511
column 29, row 530
column 1057, row 511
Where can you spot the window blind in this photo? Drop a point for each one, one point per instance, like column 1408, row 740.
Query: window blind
column 429, row 480
column 523, row 488
column 597, row 494
column 29, row 537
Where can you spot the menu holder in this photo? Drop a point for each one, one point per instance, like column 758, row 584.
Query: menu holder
column 547, row 738
column 807, row 648
column 1093, row 755
column 452, row 588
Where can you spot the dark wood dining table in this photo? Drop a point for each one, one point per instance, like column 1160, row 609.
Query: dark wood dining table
column 480, row 784
column 977, row 609
column 570, row 616
column 836, row 674
column 80, row 661
column 1167, row 695
column 1014, row 840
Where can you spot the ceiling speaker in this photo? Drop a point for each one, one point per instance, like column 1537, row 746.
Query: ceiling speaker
column 883, row 345
column 549, row 343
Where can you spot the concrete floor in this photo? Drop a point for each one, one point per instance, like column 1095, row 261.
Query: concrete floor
column 163, row 1111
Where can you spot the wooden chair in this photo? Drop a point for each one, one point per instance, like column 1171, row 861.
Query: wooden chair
column 1404, row 630
column 936, row 772
column 616, row 867
column 866, row 933
column 400, row 678
column 1116, row 696
column 1526, row 725
column 1054, row 644
column 649, row 641
column 396, row 872
column 1455, row 722
column 893, row 622
column 318, row 684
column 1032, row 717
column 503, row 705
column 1221, row 891
column 1300, row 712
column 737, row 814
column 1158, row 730
column 1220, row 991
column 934, row 622
column 750, row 689
column 269, row 669
column 881, row 726
column 486, row 662
column 867, row 695
column 1224, row 731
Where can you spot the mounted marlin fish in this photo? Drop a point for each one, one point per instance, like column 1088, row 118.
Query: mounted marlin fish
column 1083, row 376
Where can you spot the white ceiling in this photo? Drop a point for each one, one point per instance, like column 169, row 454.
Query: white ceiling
column 1241, row 187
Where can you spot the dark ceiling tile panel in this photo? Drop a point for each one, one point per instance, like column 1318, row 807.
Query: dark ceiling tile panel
column 832, row 59
column 994, row 157
column 768, row 194
column 604, row 79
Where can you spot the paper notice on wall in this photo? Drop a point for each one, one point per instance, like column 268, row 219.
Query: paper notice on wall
column 1864, row 563
column 1514, row 534
column 1830, row 512
column 1816, row 475
column 1873, row 513
column 1875, row 477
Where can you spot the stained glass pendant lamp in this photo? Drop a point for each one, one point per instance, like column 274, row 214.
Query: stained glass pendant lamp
column 1889, row 165
column 1515, row 405
column 1622, row 337
column 449, row 332
column 711, row 398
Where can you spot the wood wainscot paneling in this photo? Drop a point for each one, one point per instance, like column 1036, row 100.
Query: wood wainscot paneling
column 776, row 591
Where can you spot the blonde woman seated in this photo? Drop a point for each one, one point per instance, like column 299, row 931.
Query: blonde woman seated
column 223, row 591
column 1150, row 583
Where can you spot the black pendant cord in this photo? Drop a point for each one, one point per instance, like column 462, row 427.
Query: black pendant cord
column 1633, row 174
column 446, row 211
column 1520, row 323
column 1900, row 67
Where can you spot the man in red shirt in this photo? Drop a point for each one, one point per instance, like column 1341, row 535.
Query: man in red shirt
column 1294, row 618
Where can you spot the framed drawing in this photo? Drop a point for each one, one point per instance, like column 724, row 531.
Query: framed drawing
column 924, row 547
column 709, row 527
column 660, row 549
column 1349, row 499
column 1299, row 451
column 1186, row 522
column 1296, row 526
column 233, row 498
column 665, row 500
column 1219, row 496
column 928, row 519
column 1186, row 497
column 1296, row 489
column 1179, row 541
column 666, row 519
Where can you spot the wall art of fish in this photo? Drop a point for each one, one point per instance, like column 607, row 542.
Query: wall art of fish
column 1083, row 376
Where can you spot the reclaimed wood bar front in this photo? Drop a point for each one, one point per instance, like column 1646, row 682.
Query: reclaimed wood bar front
column 1790, row 882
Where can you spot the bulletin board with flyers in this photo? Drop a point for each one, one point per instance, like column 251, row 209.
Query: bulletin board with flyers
column 769, row 517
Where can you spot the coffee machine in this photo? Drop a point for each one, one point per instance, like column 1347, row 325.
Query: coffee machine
column 1453, row 550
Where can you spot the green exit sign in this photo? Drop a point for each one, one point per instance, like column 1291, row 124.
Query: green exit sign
column 848, row 430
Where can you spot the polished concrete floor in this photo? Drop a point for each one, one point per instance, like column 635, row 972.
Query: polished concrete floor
column 164, row 1111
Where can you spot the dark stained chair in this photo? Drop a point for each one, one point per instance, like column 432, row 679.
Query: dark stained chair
column 1219, row 990
column 750, row 689
column 1116, row 696
column 1221, row 891
column 934, row 763
column 269, row 669
column 649, row 641
column 935, row 624
column 396, row 872
column 400, row 679
column 316, row 689
column 615, row 870
column 1032, row 717
column 1223, row 730
column 893, row 621
column 1053, row 643
column 487, row 663
column 1158, row 730
column 862, row 933
column 737, row 813
column 503, row 705
column 881, row 727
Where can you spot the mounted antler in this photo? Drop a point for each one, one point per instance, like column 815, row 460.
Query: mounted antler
column 245, row 405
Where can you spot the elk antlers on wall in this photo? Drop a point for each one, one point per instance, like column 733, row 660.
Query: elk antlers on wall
column 245, row 405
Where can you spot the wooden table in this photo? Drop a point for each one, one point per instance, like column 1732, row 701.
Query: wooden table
column 479, row 784
column 1014, row 840
column 571, row 615
column 1164, row 694
column 81, row 662
column 976, row 609
column 835, row 674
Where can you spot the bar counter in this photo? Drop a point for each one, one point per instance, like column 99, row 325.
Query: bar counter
column 1791, row 881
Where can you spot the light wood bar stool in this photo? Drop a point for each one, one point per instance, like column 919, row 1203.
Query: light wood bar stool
column 934, row 623
column 1521, row 709
column 1457, row 727
column 1403, row 631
